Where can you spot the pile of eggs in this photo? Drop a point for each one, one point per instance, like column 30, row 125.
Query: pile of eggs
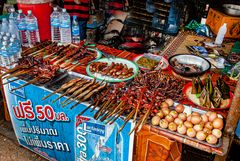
column 206, row 126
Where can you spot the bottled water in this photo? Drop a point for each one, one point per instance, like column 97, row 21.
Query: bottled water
column 6, row 39
column 18, row 45
column 4, row 27
column 13, row 15
column 13, row 29
column 21, row 23
column 2, row 33
column 65, row 27
column 55, row 25
column 75, row 31
column 13, row 50
column 5, row 56
column 32, row 29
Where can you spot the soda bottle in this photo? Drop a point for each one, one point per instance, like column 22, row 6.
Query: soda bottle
column 65, row 27
column 75, row 31
column 55, row 25
column 32, row 29
column 21, row 23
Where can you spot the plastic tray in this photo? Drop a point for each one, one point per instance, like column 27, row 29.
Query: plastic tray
column 188, row 110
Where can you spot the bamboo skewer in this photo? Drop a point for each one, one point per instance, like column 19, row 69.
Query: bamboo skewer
column 110, row 113
column 76, row 93
column 88, row 96
column 30, row 82
column 63, row 87
column 114, row 117
column 21, row 72
column 141, row 121
column 126, row 120
column 11, row 81
column 104, row 109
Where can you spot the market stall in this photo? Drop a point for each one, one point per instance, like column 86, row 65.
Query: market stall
column 133, row 96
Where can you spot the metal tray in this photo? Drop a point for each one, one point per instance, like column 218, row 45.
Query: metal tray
column 232, row 9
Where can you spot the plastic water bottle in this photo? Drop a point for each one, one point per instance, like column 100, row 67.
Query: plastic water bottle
column 32, row 29
column 13, row 29
column 75, row 31
column 2, row 33
column 65, row 27
column 221, row 33
column 55, row 25
column 6, row 39
column 21, row 23
column 4, row 27
column 17, row 43
column 5, row 56
column 13, row 50
column 13, row 15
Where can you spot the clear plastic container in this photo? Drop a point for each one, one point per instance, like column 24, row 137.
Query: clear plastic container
column 13, row 15
column 32, row 29
column 55, row 25
column 4, row 27
column 75, row 31
column 21, row 23
column 65, row 27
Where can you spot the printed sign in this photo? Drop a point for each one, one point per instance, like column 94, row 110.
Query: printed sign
column 59, row 134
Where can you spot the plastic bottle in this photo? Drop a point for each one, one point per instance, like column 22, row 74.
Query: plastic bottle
column 32, row 29
column 13, row 50
column 6, row 39
column 13, row 15
column 13, row 29
column 75, row 31
column 4, row 27
column 18, row 46
column 21, row 23
column 5, row 56
column 65, row 27
column 55, row 25
column 2, row 33
column 221, row 33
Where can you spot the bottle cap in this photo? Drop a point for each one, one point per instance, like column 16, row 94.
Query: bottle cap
column 2, row 33
column 29, row 12
column 11, row 40
column 20, row 11
column 64, row 10
column 14, row 36
column 5, row 38
column 55, row 8
column 4, row 19
column 8, row 34
column 12, row 9
column 4, row 43
column 74, row 17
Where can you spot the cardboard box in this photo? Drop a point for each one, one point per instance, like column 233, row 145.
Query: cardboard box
column 216, row 19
